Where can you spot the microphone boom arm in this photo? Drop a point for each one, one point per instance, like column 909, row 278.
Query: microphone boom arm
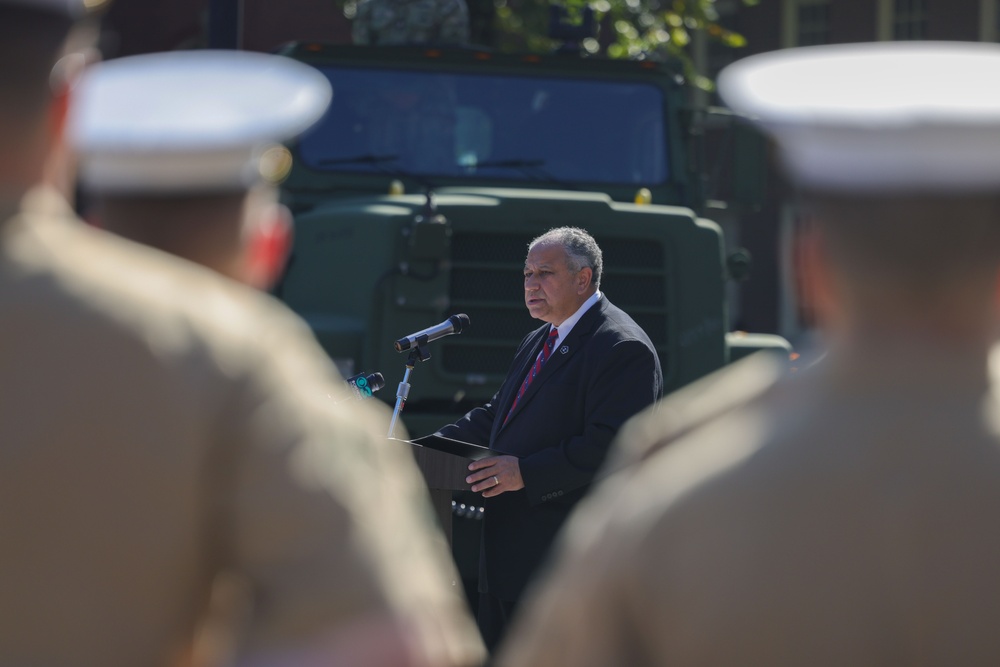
column 418, row 352
column 417, row 345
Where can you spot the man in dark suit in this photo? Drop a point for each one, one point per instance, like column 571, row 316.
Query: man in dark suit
column 572, row 384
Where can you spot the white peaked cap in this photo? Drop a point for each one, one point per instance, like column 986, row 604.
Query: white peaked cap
column 891, row 116
column 72, row 8
column 189, row 121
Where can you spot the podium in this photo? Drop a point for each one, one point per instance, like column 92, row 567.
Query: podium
column 444, row 464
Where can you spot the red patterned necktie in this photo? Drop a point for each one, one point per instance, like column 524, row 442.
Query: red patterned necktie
column 543, row 356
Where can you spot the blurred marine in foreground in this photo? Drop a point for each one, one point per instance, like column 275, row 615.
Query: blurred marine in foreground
column 182, row 151
column 845, row 515
column 161, row 426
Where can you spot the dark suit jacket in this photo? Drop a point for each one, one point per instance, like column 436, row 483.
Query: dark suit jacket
column 604, row 372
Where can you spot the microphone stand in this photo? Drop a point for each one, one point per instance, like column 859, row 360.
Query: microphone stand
column 417, row 353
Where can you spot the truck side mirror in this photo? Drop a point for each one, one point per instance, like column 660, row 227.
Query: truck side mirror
column 750, row 166
column 734, row 161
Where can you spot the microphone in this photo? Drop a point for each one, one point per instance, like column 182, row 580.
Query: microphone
column 363, row 386
column 452, row 325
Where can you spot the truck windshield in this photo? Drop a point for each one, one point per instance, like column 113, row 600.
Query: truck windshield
column 486, row 126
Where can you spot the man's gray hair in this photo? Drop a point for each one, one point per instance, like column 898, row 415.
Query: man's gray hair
column 582, row 250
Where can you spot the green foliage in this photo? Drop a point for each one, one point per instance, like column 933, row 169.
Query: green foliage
column 644, row 29
column 638, row 29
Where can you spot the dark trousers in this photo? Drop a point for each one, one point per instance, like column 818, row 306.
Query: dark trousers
column 493, row 618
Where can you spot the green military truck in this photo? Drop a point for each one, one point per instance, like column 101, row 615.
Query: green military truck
column 415, row 198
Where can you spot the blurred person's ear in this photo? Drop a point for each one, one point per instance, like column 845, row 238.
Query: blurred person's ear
column 818, row 279
column 60, row 168
column 268, row 246
column 59, row 171
column 65, row 74
column 996, row 296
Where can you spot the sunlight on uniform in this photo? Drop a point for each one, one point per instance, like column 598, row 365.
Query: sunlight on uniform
column 162, row 426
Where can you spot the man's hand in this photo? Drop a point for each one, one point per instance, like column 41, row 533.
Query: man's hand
column 495, row 475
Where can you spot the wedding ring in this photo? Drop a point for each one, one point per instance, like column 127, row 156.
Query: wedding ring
column 496, row 481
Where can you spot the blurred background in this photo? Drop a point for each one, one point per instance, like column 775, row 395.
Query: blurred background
column 703, row 36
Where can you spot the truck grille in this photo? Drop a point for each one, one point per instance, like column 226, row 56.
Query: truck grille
column 486, row 284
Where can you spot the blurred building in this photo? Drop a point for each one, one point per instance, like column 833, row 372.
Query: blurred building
column 771, row 299
column 146, row 26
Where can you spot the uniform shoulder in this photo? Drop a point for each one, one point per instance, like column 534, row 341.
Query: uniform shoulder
column 91, row 277
column 690, row 445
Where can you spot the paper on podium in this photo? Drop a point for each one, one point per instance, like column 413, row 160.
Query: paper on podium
column 452, row 446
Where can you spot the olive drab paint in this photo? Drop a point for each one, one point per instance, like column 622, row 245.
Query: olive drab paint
column 509, row 146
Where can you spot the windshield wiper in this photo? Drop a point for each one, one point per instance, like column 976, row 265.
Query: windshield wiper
column 530, row 168
column 378, row 161
column 369, row 158
column 510, row 164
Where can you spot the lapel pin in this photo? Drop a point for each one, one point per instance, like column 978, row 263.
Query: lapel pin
column 564, row 349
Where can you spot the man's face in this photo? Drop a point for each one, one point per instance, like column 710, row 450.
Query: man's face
column 552, row 291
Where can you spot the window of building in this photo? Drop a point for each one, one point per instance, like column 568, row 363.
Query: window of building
column 814, row 23
column 909, row 19
column 988, row 21
column 806, row 22
column 717, row 54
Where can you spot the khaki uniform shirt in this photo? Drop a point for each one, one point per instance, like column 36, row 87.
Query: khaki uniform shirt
column 846, row 515
column 159, row 426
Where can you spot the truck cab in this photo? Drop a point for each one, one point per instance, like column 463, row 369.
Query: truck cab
column 417, row 194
